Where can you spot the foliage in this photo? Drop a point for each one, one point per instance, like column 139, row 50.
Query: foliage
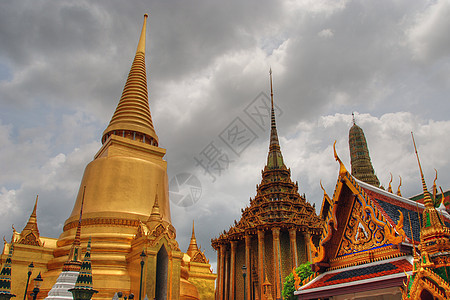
column 303, row 271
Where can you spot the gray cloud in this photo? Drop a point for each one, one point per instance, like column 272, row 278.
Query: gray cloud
column 63, row 66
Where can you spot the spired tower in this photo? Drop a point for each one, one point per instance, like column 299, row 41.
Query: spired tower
column 430, row 278
column 359, row 154
column 272, row 236
column 125, row 204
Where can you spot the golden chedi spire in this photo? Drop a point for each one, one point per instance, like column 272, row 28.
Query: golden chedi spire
column 434, row 235
column 193, row 248
column 30, row 233
column 122, row 182
column 359, row 155
column 275, row 158
column 132, row 117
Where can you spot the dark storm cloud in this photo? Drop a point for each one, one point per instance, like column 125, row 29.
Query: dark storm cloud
column 63, row 66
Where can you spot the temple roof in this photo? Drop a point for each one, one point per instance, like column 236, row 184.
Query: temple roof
column 133, row 113
column 382, row 274
column 390, row 204
column 277, row 201
column 366, row 228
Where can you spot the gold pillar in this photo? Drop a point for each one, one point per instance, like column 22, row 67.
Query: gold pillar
column 294, row 253
column 308, row 246
column 221, row 272
column 218, row 276
column 260, row 261
column 233, row 270
column 247, row 264
column 227, row 274
column 276, row 261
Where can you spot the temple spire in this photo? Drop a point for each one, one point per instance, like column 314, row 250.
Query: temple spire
column 193, row 248
column 156, row 214
column 434, row 235
column 427, row 197
column 359, row 155
column 132, row 118
column 75, row 250
column 84, row 286
column 275, row 158
column 30, row 233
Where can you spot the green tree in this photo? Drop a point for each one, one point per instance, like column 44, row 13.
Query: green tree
column 303, row 271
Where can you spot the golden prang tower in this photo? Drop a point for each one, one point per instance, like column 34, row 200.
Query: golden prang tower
column 125, row 212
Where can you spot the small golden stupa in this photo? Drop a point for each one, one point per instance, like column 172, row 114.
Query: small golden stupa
column 126, row 212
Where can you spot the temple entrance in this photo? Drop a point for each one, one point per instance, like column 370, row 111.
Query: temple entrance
column 426, row 295
column 162, row 260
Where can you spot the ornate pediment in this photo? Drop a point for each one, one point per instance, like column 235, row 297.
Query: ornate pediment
column 30, row 239
column 200, row 258
column 362, row 232
column 362, row 227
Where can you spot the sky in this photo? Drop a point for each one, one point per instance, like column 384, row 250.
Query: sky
column 63, row 65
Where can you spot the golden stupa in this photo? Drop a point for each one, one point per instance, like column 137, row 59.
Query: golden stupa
column 125, row 211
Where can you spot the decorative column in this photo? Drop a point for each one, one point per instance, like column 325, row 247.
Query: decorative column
column 294, row 253
column 260, row 261
column 221, row 275
column 247, row 264
column 227, row 274
column 217, row 297
column 308, row 246
column 276, row 261
column 233, row 270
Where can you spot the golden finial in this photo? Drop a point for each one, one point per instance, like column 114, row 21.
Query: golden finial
column 35, row 206
column 321, row 186
column 353, row 117
column 427, row 198
column 399, row 193
column 342, row 169
column 390, row 186
column 141, row 44
column 271, row 89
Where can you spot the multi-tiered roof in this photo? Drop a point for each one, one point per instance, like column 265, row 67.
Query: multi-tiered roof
column 277, row 201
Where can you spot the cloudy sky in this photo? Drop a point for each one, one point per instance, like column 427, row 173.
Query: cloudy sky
column 63, row 65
